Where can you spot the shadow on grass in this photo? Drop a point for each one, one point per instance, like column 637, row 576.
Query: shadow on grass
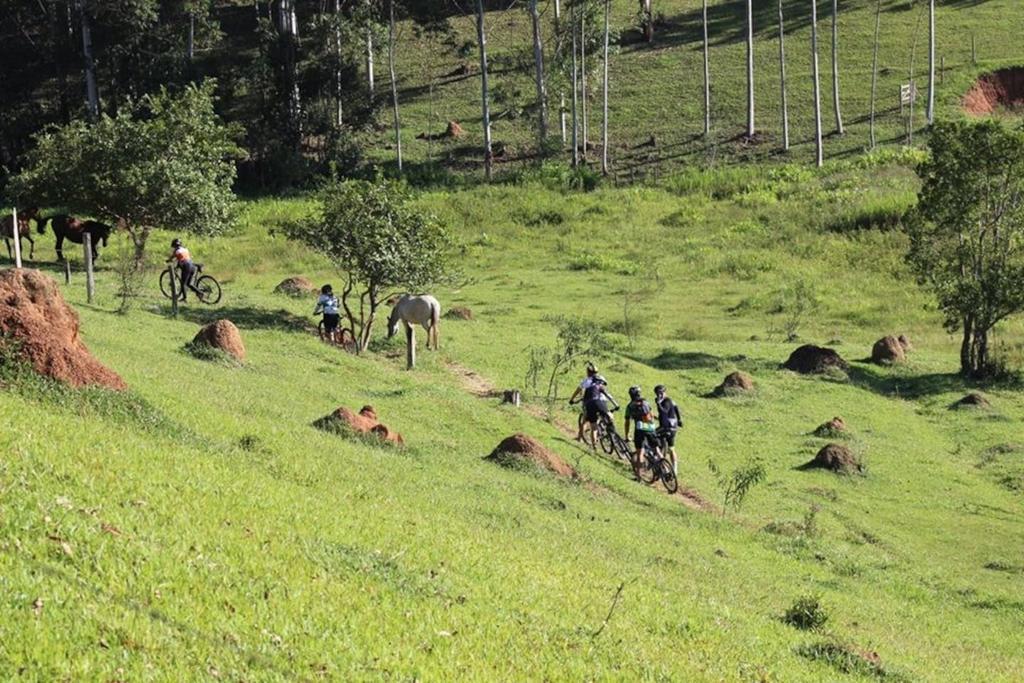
column 249, row 317
column 671, row 359
column 880, row 381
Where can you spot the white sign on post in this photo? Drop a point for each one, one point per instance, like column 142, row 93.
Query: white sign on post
column 908, row 94
column 16, row 232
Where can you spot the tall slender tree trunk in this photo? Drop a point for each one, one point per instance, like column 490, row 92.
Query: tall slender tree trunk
column 575, row 96
column 289, row 34
column 558, row 12
column 648, row 20
column 584, row 119
column 61, row 33
column 707, row 70
column 338, row 89
column 92, row 99
column 538, row 62
column 931, row 61
column 815, row 75
column 835, row 66
column 782, row 80
column 750, row 69
column 874, row 71
column 604, row 118
column 394, row 82
column 484, row 92
column 190, row 48
column 370, row 85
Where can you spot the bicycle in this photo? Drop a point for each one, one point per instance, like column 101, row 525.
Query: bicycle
column 651, row 466
column 339, row 336
column 207, row 289
column 604, row 430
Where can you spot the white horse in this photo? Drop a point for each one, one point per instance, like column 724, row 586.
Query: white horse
column 412, row 310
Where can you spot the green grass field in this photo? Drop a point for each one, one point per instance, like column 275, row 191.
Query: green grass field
column 657, row 89
column 200, row 528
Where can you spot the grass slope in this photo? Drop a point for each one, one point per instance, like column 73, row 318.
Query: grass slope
column 201, row 527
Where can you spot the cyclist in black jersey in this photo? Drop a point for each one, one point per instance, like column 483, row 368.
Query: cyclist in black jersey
column 595, row 404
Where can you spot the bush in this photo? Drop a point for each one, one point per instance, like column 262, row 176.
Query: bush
column 806, row 614
column 588, row 260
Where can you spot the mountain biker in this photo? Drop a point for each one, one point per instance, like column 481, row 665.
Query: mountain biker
column 595, row 404
column 328, row 305
column 669, row 421
column 587, row 381
column 185, row 265
column 639, row 412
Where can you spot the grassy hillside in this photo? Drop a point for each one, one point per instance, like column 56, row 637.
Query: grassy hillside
column 657, row 89
column 200, row 527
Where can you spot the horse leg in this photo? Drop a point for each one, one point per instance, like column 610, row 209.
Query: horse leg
column 10, row 254
column 60, row 246
column 31, row 248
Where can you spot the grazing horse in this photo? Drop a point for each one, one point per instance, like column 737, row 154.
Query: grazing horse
column 416, row 310
column 8, row 231
column 71, row 228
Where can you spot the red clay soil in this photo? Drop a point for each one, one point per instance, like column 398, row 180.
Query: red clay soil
column 972, row 400
column 363, row 422
column 521, row 449
column 834, row 427
column 223, row 335
column 810, row 359
column 1002, row 89
column 45, row 330
column 459, row 313
column 888, row 350
column 735, row 384
column 837, row 458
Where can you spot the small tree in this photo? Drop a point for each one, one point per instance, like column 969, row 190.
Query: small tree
column 380, row 241
column 577, row 339
column 163, row 161
column 967, row 234
column 737, row 484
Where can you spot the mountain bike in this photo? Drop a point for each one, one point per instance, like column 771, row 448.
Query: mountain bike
column 207, row 289
column 651, row 467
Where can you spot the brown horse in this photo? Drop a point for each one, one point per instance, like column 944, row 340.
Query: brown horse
column 7, row 230
column 70, row 228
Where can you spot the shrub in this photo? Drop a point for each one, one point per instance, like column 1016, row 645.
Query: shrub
column 806, row 614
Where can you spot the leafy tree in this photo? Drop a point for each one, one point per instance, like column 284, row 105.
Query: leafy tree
column 164, row 161
column 967, row 234
column 381, row 242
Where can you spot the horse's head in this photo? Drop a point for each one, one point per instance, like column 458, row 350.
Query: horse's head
column 103, row 231
column 41, row 222
column 393, row 322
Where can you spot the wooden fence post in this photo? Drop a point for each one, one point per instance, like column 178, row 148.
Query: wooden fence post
column 410, row 347
column 67, row 272
column 16, row 230
column 174, row 289
column 90, row 281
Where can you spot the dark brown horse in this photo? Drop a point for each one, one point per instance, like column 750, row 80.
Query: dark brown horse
column 70, row 228
column 9, row 233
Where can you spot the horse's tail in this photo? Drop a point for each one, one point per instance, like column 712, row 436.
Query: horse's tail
column 435, row 319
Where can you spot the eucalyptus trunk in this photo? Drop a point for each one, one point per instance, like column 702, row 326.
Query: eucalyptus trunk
column 874, row 71
column 647, row 20
column 835, row 67
column 707, row 71
column 782, row 80
column 92, row 99
column 604, row 118
column 750, row 69
column 370, row 85
column 538, row 61
column 338, row 89
column 931, row 61
column 394, row 83
column 815, row 75
column 575, row 108
column 484, row 92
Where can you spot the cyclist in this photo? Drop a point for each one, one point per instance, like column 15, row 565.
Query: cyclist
column 669, row 422
column 587, row 381
column 639, row 412
column 595, row 404
column 188, row 269
column 328, row 305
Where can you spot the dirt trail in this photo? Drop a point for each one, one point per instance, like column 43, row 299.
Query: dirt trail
column 481, row 387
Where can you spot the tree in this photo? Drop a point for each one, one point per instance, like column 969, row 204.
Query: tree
column 288, row 30
column 164, row 161
column 931, row 61
column 538, row 63
column 967, row 233
column 481, row 36
column 707, row 70
column 750, row 69
column 381, row 243
column 575, row 92
column 815, row 75
column 874, row 71
column 782, row 80
column 647, row 20
column 91, row 92
column 604, row 118
column 835, row 67
column 394, row 83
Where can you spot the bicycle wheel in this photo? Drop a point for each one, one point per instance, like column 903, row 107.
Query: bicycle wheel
column 208, row 289
column 668, row 476
column 321, row 331
column 621, row 447
column 642, row 467
column 165, row 284
column 606, row 439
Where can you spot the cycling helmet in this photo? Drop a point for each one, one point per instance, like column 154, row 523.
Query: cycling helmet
column 599, row 379
column 660, row 389
column 634, row 393
column 175, row 243
column 591, row 368
column 326, row 289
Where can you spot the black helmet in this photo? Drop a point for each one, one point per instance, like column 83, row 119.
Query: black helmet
column 591, row 368
column 326, row 289
column 634, row 393
column 599, row 379
column 175, row 243
column 660, row 389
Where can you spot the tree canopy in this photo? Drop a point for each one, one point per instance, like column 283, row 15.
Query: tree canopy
column 967, row 236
